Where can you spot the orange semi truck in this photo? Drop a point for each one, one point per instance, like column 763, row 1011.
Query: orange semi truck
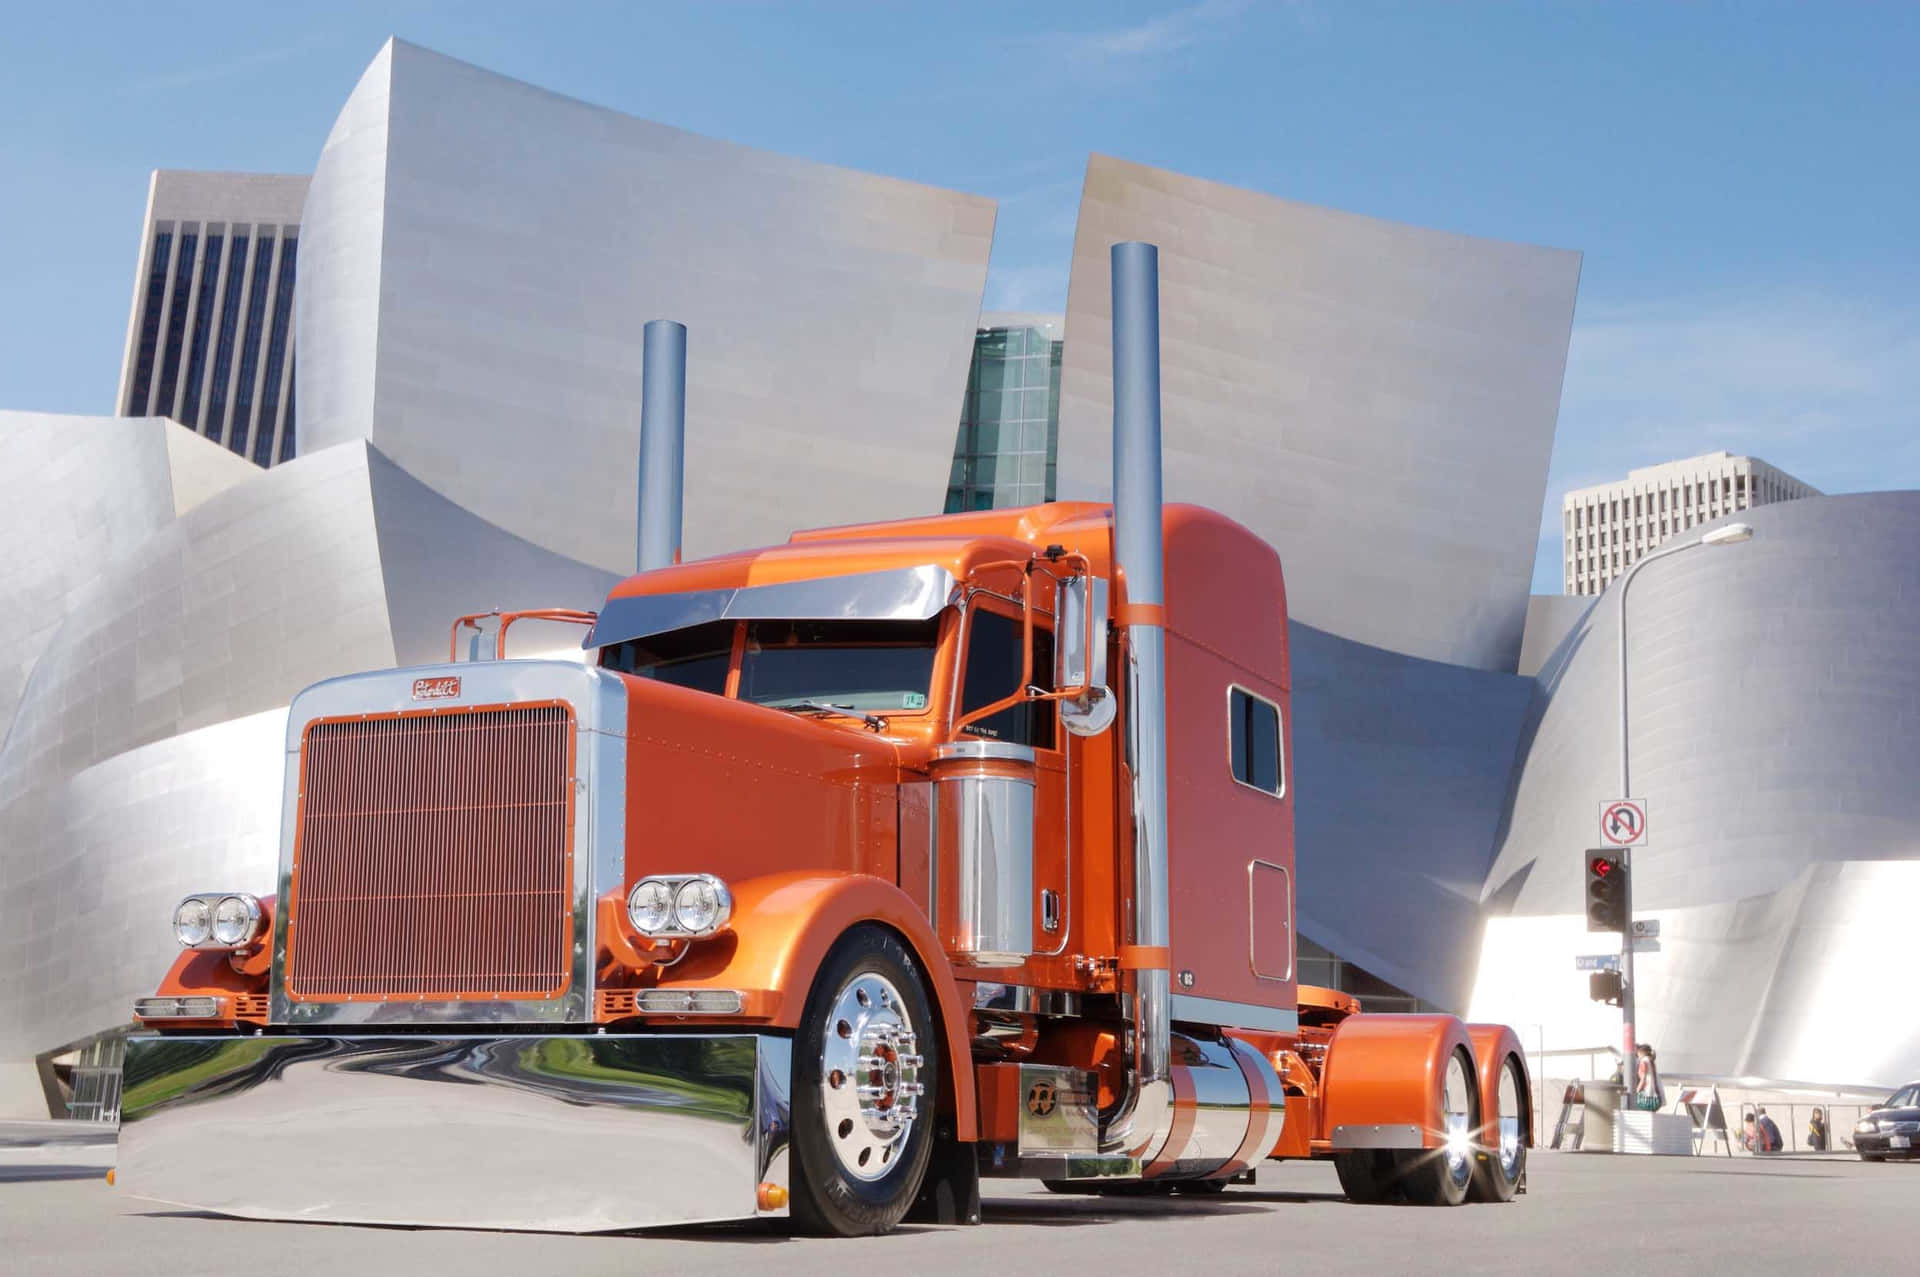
column 840, row 874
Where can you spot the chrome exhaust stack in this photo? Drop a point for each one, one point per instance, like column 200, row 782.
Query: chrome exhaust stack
column 663, row 435
column 1139, row 1128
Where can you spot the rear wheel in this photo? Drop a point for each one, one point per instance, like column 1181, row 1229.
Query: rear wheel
column 1441, row 1177
column 862, row 1131
column 1367, row 1175
column 1503, row 1159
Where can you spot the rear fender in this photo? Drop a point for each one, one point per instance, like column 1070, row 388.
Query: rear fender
column 781, row 928
column 1381, row 1084
column 1493, row 1045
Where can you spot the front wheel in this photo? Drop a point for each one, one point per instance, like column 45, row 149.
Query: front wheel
column 862, row 1070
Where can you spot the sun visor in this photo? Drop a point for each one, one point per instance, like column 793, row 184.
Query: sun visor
column 895, row 594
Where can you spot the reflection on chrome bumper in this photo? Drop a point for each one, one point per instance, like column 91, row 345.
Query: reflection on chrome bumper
column 565, row 1134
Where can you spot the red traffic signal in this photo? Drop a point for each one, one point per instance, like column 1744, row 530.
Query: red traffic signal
column 1606, row 893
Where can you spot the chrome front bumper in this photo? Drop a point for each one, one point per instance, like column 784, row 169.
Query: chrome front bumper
column 560, row 1134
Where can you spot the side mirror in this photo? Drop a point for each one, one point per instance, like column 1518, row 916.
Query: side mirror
column 1080, row 654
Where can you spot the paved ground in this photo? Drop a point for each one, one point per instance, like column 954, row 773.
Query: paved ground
column 1634, row 1216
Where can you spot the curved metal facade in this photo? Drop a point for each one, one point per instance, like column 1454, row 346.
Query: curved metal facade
column 480, row 257
column 1773, row 692
column 1377, row 401
column 131, row 739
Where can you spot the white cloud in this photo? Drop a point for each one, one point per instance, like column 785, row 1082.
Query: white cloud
column 1826, row 389
column 1822, row 388
column 1156, row 37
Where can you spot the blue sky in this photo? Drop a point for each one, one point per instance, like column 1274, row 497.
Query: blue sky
column 1742, row 178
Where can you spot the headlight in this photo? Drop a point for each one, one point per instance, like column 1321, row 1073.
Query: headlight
column 650, row 906
column 675, row 906
column 1864, row 1126
column 236, row 920
column 192, row 922
column 702, row 904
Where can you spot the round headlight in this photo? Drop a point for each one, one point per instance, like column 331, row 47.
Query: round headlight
column 702, row 905
column 192, row 922
column 234, row 920
column 650, row 906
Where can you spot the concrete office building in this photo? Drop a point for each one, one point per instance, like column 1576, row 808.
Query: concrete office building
column 1009, row 434
column 1608, row 528
column 210, row 334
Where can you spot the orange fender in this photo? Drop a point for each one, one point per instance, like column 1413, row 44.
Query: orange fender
column 1385, row 1072
column 239, row 977
column 781, row 929
column 1493, row 1044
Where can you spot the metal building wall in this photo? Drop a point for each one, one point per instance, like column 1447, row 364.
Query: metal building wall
column 1378, row 401
column 499, row 248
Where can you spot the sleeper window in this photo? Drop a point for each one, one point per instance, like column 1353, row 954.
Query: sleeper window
column 1254, row 741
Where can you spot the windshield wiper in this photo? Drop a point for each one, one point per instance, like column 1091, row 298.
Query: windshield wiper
column 874, row 722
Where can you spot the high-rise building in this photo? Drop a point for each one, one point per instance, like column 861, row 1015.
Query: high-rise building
column 1610, row 527
column 210, row 335
column 1010, row 422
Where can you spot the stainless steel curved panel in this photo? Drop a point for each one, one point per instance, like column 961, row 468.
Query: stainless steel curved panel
column 1377, row 401
column 566, row 1134
column 480, row 254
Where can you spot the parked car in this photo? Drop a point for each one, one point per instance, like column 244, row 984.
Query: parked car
column 1891, row 1130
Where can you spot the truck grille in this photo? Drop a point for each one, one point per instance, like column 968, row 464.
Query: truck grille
column 434, row 856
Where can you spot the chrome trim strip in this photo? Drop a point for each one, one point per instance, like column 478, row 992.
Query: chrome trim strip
column 580, row 1133
column 893, row 594
column 1236, row 1015
column 599, row 702
column 1390, row 1135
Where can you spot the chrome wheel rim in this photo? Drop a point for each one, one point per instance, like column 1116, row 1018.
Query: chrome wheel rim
column 1509, row 1121
column 1457, row 1106
column 870, row 1084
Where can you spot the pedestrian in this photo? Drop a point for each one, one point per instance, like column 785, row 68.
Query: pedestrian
column 1750, row 1135
column 1769, row 1133
column 1647, row 1091
column 1817, row 1131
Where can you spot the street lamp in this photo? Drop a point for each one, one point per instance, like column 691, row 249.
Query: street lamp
column 1728, row 534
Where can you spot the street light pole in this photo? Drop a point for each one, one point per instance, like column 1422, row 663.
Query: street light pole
column 1727, row 535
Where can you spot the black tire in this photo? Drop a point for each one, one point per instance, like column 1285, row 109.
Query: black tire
column 1499, row 1168
column 1429, row 1177
column 1873, row 1157
column 826, row 1199
column 1368, row 1175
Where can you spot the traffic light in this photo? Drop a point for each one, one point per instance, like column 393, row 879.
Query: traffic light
column 1604, row 986
column 1606, row 893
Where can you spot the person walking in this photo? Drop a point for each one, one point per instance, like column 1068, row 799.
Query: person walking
column 1817, row 1131
column 1647, row 1091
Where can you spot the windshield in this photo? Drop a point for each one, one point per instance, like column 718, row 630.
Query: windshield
column 1905, row 1097
column 853, row 665
column 697, row 657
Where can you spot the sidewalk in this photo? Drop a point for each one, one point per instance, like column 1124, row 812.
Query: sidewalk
column 26, row 1133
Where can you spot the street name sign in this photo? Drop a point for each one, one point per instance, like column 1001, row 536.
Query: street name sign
column 1597, row 962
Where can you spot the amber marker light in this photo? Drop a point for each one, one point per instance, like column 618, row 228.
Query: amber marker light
column 771, row 1196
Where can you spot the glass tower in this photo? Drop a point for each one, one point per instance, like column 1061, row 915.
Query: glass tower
column 209, row 343
column 1010, row 421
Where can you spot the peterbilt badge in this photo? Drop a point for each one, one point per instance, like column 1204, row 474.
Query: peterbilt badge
column 435, row 689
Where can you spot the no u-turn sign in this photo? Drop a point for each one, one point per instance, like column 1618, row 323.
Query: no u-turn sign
column 1623, row 822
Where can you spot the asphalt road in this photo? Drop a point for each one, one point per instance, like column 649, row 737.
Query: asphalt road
column 1632, row 1216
